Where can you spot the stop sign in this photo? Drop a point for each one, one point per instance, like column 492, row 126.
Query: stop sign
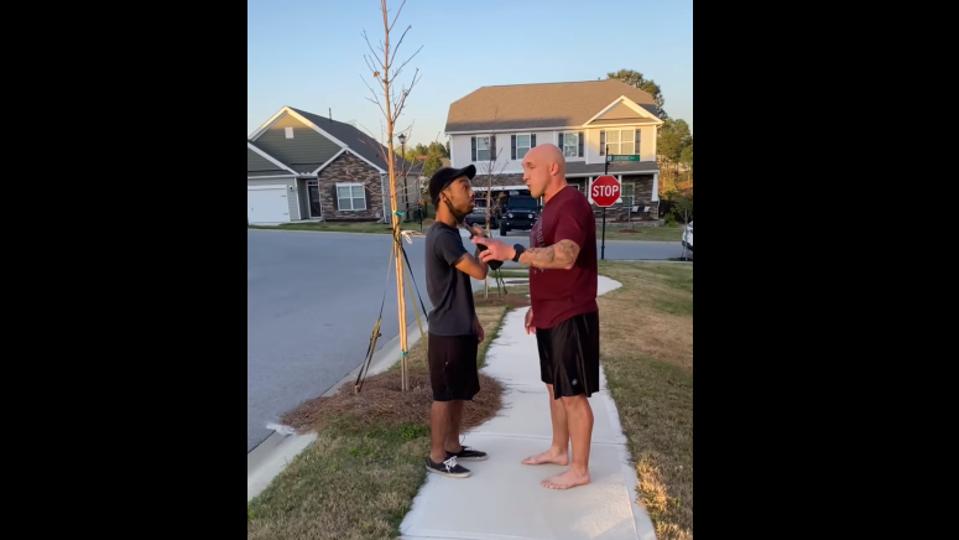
column 604, row 191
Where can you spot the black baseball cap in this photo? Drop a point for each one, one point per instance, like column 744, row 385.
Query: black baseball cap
column 445, row 177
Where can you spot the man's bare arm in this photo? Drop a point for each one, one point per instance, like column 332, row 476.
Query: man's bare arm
column 472, row 266
column 561, row 255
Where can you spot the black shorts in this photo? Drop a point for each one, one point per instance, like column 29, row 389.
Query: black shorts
column 452, row 362
column 569, row 355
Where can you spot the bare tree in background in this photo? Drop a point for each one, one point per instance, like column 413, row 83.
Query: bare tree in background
column 492, row 168
column 382, row 65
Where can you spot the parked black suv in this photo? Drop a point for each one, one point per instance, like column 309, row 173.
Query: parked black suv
column 520, row 212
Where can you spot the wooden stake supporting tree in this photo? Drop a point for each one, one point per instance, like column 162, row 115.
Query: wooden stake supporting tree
column 381, row 64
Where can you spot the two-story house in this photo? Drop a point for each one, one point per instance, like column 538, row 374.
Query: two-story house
column 493, row 128
column 302, row 166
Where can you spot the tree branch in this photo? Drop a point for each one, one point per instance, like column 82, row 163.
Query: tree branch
column 376, row 99
column 406, row 92
column 372, row 50
column 396, row 48
column 397, row 16
column 397, row 72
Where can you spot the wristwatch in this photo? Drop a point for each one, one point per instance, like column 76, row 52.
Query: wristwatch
column 519, row 251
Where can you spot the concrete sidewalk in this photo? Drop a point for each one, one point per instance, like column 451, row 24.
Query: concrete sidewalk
column 503, row 499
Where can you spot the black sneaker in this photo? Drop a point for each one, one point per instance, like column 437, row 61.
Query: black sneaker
column 468, row 453
column 447, row 468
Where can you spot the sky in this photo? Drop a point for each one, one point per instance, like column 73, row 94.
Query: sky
column 309, row 54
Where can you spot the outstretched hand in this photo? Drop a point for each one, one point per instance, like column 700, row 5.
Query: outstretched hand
column 495, row 249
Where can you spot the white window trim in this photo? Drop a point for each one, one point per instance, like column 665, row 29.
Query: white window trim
column 530, row 147
column 489, row 147
column 288, row 132
column 605, row 138
column 563, row 150
column 351, row 185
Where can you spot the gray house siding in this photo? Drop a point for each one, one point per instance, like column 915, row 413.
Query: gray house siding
column 257, row 165
column 306, row 151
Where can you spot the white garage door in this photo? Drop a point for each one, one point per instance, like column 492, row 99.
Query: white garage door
column 268, row 205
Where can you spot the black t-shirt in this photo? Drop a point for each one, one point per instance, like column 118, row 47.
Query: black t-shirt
column 450, row 290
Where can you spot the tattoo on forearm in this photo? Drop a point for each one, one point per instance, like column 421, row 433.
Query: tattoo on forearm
column 539, row 257
column 559, row 255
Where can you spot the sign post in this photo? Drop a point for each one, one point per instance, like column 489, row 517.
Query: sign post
column 604, row 192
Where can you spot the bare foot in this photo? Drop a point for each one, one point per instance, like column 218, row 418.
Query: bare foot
column 549, row 456
column 566, row 480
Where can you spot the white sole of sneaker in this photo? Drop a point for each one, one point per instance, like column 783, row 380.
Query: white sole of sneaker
column 448, row 475
column 484, row 458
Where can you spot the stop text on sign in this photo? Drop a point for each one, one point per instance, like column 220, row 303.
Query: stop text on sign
column 605, row 191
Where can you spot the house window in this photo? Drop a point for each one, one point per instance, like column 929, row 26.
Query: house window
column 482, row 149
column 618, row 141
column 289, row 132
column 523, row 145
column 628, row 193
column 350, row 197
column 570, row 144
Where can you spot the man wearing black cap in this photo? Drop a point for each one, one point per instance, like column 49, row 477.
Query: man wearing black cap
column 455, row 331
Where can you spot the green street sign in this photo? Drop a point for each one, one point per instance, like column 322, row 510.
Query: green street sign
column 623, row 158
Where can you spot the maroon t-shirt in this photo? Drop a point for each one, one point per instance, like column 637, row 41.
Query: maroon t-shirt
column 558, row 294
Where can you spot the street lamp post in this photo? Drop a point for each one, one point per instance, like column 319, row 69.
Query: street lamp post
column 406, row 190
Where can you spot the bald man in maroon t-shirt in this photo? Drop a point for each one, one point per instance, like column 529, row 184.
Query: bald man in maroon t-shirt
column 564, row 313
